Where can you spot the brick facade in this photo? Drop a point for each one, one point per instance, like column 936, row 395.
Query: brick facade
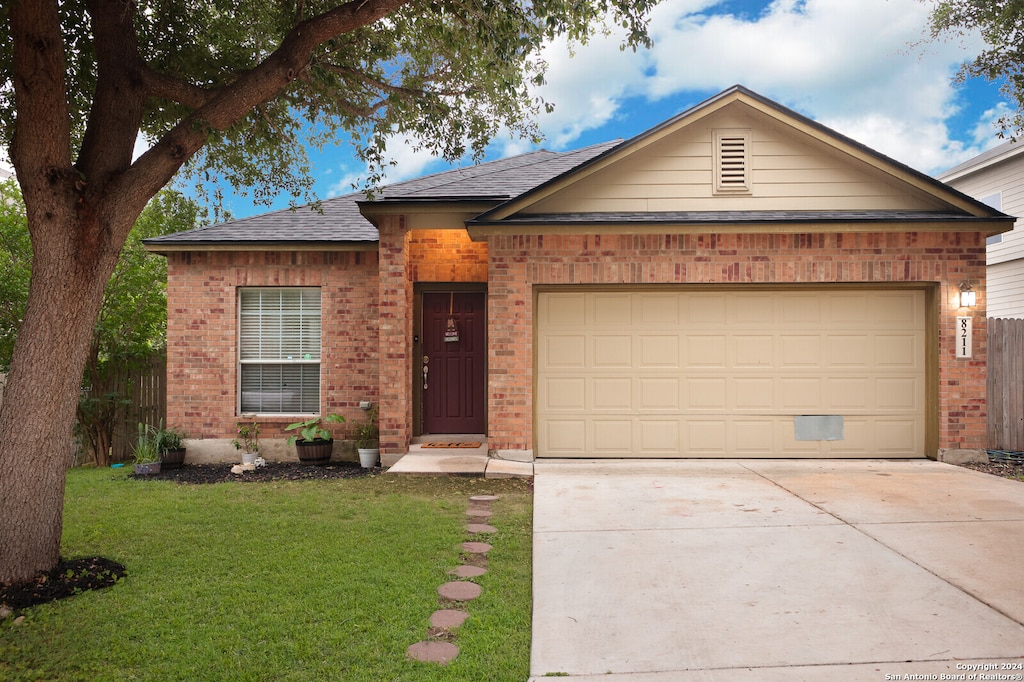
column 517, row 263
column 202, row 332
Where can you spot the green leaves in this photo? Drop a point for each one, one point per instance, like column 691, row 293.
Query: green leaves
column 1001, row 24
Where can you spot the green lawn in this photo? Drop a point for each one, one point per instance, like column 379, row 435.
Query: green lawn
column 311, row 580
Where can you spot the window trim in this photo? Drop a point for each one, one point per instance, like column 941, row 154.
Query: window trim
column 316, row 361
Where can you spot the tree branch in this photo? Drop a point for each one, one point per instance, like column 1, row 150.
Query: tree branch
column 173, row 89
column 41, row 144
column 228, row 104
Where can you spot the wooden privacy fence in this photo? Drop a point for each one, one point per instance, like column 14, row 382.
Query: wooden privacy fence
column 145, row 390
column 1006, row 384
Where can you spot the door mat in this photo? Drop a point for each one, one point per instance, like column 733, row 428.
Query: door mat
column 447, row 446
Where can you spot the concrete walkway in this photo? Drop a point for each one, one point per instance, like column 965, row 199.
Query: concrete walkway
column 684, row 570
column 430, row 461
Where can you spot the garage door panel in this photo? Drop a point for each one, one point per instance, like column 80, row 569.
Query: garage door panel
column 562, row 351
column 612, row 437
column 801, row 351
column 800, row 395
column 701, row 373
column 848, row 350
column 704, row 350
column 562, row 394
column 894, row 309
column 705, row 310
column 659, row 352
column 659, row 394
column 848, row 394
column 706, row 437
column 750, row 310
column 611, row 393
column 612, row 351
column 706, row 393
column 658, row 310
column 565, row 437
column 753, row 437
column 848, row 310
column 752, row 350
column 562, row 311
column 895, row 394
column 659, row 437
column 898, row 350
column 753, row 394
column 610, row 310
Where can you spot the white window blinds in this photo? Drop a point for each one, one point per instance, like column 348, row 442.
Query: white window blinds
column 279, row 350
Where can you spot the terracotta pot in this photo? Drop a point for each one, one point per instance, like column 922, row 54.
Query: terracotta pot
column 317, row 452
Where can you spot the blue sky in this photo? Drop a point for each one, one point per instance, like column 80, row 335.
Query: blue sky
column 850, row 64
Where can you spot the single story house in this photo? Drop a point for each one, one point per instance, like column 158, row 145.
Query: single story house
column 738, row 281
column 996, row 177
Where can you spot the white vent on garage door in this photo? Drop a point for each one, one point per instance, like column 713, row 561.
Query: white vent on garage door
column 732, row 161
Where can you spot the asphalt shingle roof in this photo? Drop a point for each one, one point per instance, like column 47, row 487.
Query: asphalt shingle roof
column 339, row 219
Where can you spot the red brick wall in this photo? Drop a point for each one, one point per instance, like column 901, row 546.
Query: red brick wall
column 446, row 256
column 202, row 333
column 519, row 262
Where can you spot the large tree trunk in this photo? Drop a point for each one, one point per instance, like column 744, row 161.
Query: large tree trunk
column 41, row 398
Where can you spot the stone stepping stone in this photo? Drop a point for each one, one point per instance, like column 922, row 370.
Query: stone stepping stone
column 467, row 572
column 432, row 652
column 480, row 528
column 447, row 619
column 484, row 498
column 481, row 513
column 476, row 547
column 460, row 590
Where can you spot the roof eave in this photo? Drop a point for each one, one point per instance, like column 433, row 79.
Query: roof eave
column 180, row 247
column 479, row 231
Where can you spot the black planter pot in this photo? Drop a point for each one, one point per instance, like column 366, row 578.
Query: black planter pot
column 172, row 459
column 316, row 452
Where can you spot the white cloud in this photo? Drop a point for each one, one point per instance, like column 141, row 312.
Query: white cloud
column 852, row 65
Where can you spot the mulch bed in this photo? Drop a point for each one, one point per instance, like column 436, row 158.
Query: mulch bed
column 1007, row 469
column 69, row 578
column 273, row 471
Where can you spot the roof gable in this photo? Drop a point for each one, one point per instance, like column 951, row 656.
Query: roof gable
column 793, row 164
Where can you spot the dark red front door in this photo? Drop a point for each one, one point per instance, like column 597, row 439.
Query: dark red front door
column 454, row 385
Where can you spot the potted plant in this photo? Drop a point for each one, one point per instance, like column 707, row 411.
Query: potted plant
column 170, row 443
column 248, row 441
column 147, row 454
column 368, row 439
column 314, row 443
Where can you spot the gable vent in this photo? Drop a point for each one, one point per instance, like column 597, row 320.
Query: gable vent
column 732, row 161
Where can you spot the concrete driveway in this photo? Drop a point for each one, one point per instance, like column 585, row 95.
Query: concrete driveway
column 776, row 570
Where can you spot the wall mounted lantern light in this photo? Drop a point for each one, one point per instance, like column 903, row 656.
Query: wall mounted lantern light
column 968, row 297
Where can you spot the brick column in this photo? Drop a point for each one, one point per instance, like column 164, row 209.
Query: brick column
column 395, row 331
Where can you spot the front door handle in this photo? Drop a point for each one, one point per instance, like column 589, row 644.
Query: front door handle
column 426, row 371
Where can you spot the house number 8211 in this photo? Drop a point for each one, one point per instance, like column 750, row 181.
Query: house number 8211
column 964, row 326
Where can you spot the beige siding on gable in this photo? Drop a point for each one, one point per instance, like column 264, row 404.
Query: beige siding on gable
column 789, row 171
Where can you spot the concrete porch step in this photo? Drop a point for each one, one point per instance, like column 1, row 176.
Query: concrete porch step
column 457, row 461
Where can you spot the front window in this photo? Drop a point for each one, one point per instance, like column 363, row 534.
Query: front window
column 279, row 350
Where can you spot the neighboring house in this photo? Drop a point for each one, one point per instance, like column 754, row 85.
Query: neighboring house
column 738, row 281
column 997, row 179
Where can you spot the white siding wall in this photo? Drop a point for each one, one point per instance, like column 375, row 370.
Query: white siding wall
column 1005, row 258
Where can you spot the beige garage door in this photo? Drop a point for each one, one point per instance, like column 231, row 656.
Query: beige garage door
column 717, row 373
